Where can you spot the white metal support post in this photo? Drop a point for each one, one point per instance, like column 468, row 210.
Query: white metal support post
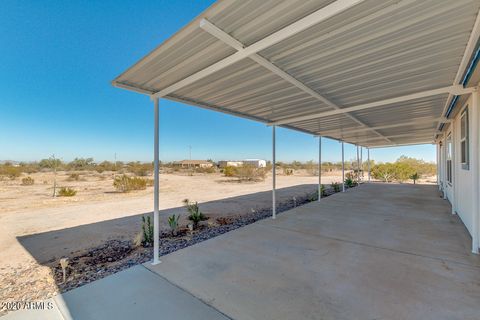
column 438, row 164
column 444, row 187
column 274, row 205
column 319, row 168
column 368, row 159
column 475, row 170
column 358, row 165
column 453, row 196
column 156, row 185
column 343, row 168
column 361, row 162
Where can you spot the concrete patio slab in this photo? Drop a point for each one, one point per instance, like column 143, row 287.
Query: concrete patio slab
column 136, row 293
column 375, row 252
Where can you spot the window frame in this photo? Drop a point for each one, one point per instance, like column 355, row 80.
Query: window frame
column 464, row 139
column 449, row 158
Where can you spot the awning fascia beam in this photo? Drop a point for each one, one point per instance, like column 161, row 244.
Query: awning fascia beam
column 388, row 126
column 282, row 34
column 456, row 90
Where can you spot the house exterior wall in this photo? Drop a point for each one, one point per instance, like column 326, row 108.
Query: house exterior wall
column 462, row 191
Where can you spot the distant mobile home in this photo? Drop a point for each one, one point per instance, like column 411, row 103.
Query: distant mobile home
column 258, row 163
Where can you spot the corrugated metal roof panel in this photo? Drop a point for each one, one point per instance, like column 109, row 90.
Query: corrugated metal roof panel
column 369, row 52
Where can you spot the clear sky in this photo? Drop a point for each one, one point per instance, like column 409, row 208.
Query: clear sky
column 57, row 60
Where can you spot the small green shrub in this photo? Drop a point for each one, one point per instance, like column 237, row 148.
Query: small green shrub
column 28, row 181
column 147, row 230
column 173, row 222
column 195, row 214
column 313, row 197
column 350, row 183
column 336, row 186
column 66, row 192
column 415, row 177
column 323, row 190
column 124, row 183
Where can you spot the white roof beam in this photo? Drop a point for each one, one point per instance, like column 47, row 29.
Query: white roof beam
column 456, row 90
column 402, row 144
column 405, row 135
column 234, row 43
column 290, row 30
column 388, row 126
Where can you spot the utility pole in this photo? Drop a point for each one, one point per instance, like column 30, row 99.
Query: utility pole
column 190, row 156
column 54, row 175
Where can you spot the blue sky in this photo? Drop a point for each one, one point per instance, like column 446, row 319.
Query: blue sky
column 57, row 61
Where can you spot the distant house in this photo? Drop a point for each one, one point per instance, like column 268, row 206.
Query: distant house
column 229, row 163
column 193, row 164
column 258, row 163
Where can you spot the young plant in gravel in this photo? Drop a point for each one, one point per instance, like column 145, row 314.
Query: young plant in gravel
column 147, row 230
column 195, row 214
column 336, row 186
column 173, row 222
column 323, row 190
column 415, row 177
column 64, row 265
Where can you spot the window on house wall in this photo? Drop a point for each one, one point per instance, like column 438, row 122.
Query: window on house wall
column 464, row 139
column 449, row 158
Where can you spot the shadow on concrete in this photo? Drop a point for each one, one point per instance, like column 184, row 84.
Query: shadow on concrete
column 52, row 245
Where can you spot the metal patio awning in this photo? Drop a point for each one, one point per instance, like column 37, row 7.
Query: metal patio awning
column 372, row 73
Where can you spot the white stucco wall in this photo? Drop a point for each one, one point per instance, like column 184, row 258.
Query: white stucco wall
column 459, row 193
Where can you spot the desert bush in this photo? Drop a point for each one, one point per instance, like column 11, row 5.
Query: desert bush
column 10, row 171
column 124, row 183
column 250, row 173
column 229, row 171
column 147, row 231
column 140, row 169
column 73, row 177
column 81, row 164
column 384, row 171
column 205, row 170
column 50, row 163
column 108, row 166
column 173, row 222
column 27, row 181
column 195, row 214
column 312, row 168
column 336, row 186
column 66, row 192
column 29, row 167
column 287, row 171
